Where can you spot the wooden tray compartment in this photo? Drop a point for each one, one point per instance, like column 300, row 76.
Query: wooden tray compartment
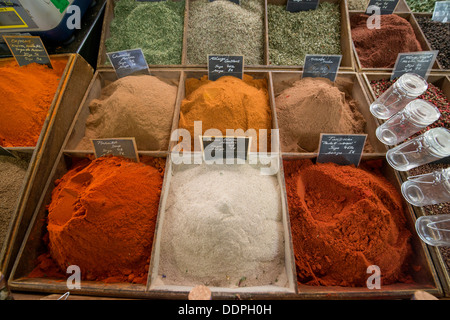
column 283, row 79
column 103, row 62
column 101, row 79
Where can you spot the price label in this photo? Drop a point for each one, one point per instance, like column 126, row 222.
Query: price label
column 441, row 12
column 128, row 62
column 301, row 5
column 322, row 66
column 415, row 62
column 223, row 148
column 123, row 147
column 385, row 6
column 342, row 149
column 27, row 50
column 220, row 65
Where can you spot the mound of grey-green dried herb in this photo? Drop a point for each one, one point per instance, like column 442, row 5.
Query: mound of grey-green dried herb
column 155, row 27
column 293, row 35
column 12, row 174
column 223, row 27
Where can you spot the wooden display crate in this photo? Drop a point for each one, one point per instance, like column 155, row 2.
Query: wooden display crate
column 103, row 62
column 73, row 83
column 347, row 62
column 417, row 31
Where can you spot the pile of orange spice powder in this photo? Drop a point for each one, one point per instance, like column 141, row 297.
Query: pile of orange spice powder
column 27, row 94
column 343, row 220
column 102, row 218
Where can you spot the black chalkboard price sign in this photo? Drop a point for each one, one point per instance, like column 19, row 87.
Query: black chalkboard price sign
column 414, row 62
column 27, row 50
column 221, row 65
column 4, row 152
column 128, row 62
column 301, row 5
column 224, row 148
column 441, row 12
column 321, row 66
column 121, row 147
column 385, row 6
column 342, row 149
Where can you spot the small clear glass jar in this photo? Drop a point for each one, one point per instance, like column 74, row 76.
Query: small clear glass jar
column 434, row 229
column 407, row 88
column 417, row 115
column 427, row 189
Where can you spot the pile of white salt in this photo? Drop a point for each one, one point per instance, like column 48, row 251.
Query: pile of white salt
column 222, row 228
column 140, row 107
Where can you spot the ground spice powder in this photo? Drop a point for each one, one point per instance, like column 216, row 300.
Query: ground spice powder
column 335, row 111
column 98, row 222
column 227, row 103
column 379, row 48
column 438, row 35
column 231, row 237
column 27, row 93
column 344, row 219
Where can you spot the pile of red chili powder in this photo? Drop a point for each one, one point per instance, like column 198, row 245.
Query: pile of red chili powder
column 27, row 94
column 344, row 219
column 379, row 47
column 102, row 218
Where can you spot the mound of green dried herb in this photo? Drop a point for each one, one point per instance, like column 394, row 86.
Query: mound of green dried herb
column 294, row 35
column 155, row 27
